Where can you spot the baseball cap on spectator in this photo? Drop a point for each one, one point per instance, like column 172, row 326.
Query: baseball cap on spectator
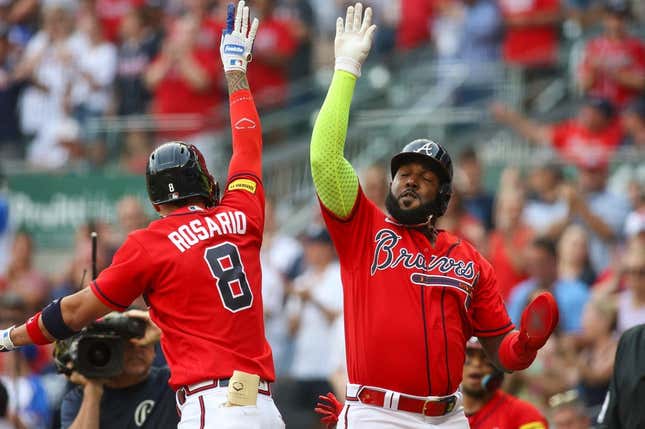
column 317, row 233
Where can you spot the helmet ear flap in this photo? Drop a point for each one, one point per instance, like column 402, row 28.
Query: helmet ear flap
column 443, row 198
column 213, row 199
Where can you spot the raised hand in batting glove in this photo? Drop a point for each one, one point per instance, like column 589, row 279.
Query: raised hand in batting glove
column 237, row 39
column 354, row 39
column 329, row 408
column 539, row 319
column 6, row 345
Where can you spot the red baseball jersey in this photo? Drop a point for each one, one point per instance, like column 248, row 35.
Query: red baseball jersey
column 504, row 411
column 409, row 306
column 577, row 144
column 610, row 56
column 199, row 270
column 530, row 45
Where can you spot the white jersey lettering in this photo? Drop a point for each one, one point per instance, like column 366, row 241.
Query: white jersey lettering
column 188, row 235
column 225, row 222
column 207, row 227
column 196, row 226
column 240, row 219
column 178, row 241
column 213, row 227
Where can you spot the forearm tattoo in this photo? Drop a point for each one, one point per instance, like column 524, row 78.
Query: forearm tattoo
column 236, row 81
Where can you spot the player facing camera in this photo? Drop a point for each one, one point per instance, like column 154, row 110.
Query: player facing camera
column 98, row 350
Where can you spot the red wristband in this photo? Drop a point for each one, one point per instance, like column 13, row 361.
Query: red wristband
column 511, row 356
column 34, row 331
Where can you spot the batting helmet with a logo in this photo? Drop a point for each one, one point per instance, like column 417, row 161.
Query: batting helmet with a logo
column 177, row 171
column 437, row 159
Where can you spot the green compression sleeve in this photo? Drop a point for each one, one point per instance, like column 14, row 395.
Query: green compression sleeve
column 335, row 180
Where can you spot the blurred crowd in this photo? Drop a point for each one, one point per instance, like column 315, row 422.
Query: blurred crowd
column 152, row 67
column 574, row 225
column 548, row 228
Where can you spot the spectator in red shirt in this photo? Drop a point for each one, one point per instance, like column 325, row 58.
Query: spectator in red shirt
column 182, row 79
column 614, row 63
column 111, row 12
column 531, row 32
column 414, row 24
column 209, row 26
column 508, row 241
column 274, row 47
column 487, row 406
column 593, row 134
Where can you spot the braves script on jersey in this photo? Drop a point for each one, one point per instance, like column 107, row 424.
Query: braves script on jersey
column 199, row 269
column 410, row 307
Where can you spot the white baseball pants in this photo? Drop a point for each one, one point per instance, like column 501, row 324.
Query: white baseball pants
column 206, row 410
column 361, row 416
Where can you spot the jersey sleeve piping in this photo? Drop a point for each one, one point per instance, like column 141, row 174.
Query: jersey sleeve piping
column 494, row 332
column 105, row 299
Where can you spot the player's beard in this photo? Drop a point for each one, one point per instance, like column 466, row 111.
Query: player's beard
column 415, row 216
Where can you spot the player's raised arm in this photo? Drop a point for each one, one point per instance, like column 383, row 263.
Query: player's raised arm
column 334, row 178
column 235, row 49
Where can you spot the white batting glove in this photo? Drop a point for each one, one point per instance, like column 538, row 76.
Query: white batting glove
column 236, row 45
column 354, row 39
column 6, row 345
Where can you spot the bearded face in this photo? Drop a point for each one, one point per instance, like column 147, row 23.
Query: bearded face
column 412, row 195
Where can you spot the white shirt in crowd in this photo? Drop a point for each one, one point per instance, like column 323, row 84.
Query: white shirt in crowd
column 317, row 336
column 540, row 215
column 628, row 315
column 275, row 319
column 99, row 62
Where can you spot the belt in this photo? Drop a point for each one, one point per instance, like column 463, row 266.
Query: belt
column 433, row 406
column 190, row 389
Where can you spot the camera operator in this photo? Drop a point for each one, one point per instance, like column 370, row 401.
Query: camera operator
column 139, row 397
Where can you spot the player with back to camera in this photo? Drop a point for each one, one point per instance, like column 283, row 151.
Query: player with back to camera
column 198, row 268
column 413, row 294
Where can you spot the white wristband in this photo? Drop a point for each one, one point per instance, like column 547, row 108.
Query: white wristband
column 5, row 339
column 349, row 65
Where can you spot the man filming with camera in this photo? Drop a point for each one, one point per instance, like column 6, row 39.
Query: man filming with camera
column 138, row 396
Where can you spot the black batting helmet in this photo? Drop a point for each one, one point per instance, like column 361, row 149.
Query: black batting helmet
column 177, row 171
column 437, row 159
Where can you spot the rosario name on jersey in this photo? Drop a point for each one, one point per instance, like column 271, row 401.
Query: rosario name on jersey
column 436, row 298
column 199, row 269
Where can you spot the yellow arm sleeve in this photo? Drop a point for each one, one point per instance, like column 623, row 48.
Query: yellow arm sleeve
column 335, row 180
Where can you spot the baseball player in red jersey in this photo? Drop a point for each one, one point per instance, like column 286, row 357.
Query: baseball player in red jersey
column 413, row 294
column 198, row 267
column 486, row 405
